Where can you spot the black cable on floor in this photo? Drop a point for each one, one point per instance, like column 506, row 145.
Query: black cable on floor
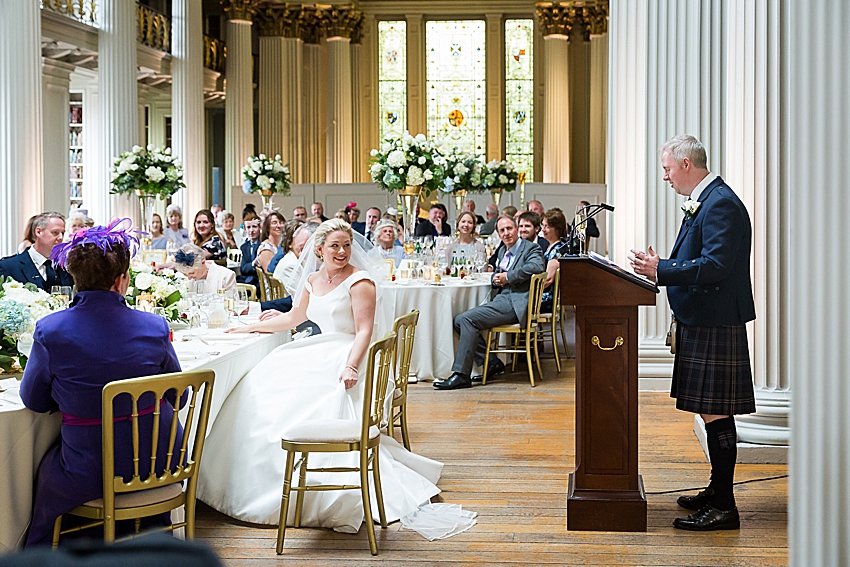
column 702, row 487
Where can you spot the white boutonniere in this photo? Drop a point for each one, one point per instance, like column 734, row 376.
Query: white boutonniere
column 689, row 207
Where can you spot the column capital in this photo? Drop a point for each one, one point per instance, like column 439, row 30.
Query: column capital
column 569, row 17
column 310, row 24
column 279, row 20
column 342, row 21
column 240, row 9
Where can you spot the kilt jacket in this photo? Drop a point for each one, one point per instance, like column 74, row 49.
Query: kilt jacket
column 708, row 273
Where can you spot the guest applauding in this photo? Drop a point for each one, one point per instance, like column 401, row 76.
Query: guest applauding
column 231, row 238
column 270, row 239
column 435, row 225
column 386, row 247
column 467, row 244
column 249, row 249
column 32, row 265
column 158, row 240
column 75, row 353
column 206, row 237
column 554, row 228
column 175, row 231
column 189, row 260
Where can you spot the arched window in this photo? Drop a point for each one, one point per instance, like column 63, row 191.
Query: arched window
column 519, row 95
column 392, row 78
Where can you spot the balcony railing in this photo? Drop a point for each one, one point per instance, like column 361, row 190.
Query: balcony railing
column 84, row 11
column 214, row 53
column 154, row 28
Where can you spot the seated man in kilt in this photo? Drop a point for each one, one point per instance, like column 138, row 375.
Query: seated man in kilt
column 710, row 293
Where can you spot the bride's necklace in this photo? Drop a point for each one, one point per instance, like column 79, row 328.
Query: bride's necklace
column 331, row 279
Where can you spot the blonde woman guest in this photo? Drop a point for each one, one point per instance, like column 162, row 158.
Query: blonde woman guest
column 175, row 231
column 270, row 239
column 342, row 215
column 231, row 238
column 158, row 238
column 189, row 260
column 467, row 243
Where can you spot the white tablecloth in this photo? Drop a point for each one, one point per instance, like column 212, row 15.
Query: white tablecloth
column 25, row 436
column 434, row 345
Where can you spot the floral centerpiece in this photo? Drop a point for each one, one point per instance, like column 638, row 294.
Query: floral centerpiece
column 266, row 176
column 21, row 305
column 500, row 176
column 164, row 289
column 464, row 173
column 149, row 173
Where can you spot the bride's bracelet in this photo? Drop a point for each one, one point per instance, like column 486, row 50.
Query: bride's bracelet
column 352, row 368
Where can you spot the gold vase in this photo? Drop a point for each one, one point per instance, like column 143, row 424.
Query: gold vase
column 266, row 195
column 409, row 196
column 497, row 196
column 460, row 196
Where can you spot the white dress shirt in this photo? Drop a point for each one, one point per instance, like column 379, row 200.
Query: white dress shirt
column 40, row 262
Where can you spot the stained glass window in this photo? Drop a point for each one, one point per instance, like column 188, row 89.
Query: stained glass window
column 392, row 78
column 456, row 73
column 519, row 95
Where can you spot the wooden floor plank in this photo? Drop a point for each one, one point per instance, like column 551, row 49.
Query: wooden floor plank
column 508, row 450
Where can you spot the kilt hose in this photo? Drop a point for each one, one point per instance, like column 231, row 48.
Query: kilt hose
column 711, row 371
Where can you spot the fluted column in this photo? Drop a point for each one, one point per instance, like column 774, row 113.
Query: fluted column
column 56, row 76
column 754, row 168
column 239, row 86
column 310, row 30
column 117, row 86
column 339, row 22
column 667, row 78
column 21, row 171
column 187, row 102
column 358, row 164
column 554, row 21
column 495, row 86
column 817, row 278
column 417, row 98
column 598, row 95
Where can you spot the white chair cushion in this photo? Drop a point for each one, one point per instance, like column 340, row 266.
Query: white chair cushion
column 141, row 497
column 327, row 431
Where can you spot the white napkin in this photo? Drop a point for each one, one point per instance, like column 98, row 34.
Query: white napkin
column 9, row 383
column 439, row 521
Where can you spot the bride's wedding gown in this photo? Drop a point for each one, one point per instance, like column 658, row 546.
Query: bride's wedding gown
column 242, row 471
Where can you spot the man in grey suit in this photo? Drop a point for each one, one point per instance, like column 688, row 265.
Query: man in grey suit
column 517, row 262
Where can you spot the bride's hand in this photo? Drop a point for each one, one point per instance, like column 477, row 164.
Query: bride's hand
column 348, row 377
column 246, row 329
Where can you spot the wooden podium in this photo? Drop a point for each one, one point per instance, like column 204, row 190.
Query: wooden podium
column 605, row 492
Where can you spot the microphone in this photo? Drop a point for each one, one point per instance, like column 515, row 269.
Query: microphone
column 596, row 209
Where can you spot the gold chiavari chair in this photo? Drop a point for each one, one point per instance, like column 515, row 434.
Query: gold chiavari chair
column 276, row 288
column 342, row 436
column 263, row 284
column 148, row 493
column 252, row 291
column 405, row 330
column 234, row 255
column 555, row 318
column 525, row 337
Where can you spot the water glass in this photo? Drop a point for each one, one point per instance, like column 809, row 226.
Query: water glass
column 62, row 293
column 241, row 303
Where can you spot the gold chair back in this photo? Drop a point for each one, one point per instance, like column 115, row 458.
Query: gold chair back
column 380, row 362
column 234, row 255
column 405, row 330
column 263, row 284
column 276, row 288
column 535, row 297
column 252, row 291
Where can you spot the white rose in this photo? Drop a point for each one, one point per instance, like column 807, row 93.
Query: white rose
column 262, row 156
column 421, row 138
column 167, row 151
column 144, row 281
column 428, row 175
column 155, row 174
column 386, row 147
column 376, row 169
column 277, row 157
column 503, row 180
column 414, row 176
column 264, row 182
column 268, row 167
column 137, row 149
column 150, row 147
column 257, row 166
column 396, row 159
column 422, row 160
column 373, row 153
column 278, row 168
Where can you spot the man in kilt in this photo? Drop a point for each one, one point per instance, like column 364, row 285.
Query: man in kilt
column 709, row 289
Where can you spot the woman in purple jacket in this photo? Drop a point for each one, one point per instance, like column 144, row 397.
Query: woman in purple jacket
column 75, row 353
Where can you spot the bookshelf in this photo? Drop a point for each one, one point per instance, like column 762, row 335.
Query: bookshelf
column 75, row 131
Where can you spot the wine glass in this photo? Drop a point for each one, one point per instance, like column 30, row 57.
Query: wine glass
column 62, row 293
column 241, row 301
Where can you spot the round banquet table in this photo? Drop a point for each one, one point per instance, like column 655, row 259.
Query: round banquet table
column 434, row 345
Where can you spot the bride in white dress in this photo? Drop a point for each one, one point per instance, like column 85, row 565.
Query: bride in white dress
column 311, row 378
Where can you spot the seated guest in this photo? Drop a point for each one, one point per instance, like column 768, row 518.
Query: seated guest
column 519, row 261
column 373, row 215
column 32, row 265
column 318, row 210
column 29, row 235
column 248, row 273
column 299, row 213
column 386, row 245
column 509, row 211
column 231, row 238
column 189, row 260
column 467, row 244
column 529, row 228
column 270, row 239
column 353, row 213
column 536, row 207
column 175, row 231
column 342, row 215
column 75, row 353
column 489, row 226
column 158, row 239
column 555, row 232
column 289, row 229
column 435, row 225
column 288, row 269
column 206, row 237
column 469, row 205
column 74, row 224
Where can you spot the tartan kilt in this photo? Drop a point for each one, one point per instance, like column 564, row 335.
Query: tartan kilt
column 711, row 371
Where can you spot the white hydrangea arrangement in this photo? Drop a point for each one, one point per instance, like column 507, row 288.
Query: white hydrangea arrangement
column 463, row 172
column 149, row 171
column 266, row 175
column 166, row 288
column 500, row 175
column 21, row 305
column 408, row 161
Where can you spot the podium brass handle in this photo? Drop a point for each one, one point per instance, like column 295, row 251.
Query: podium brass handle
column 595, row 341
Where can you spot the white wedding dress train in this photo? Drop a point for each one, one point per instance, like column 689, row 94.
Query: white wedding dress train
column 243, row 463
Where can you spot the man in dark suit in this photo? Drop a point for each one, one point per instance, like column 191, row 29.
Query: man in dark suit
column 248, row 272
column 33, row 265
column 519, row 260
column 528, row 225
column 709, row 289
column 373, row 215
column 318, row 211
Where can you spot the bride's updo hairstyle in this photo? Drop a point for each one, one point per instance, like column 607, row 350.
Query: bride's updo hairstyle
column 325, row 229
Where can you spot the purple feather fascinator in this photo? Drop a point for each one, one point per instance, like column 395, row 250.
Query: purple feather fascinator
column 119, row 231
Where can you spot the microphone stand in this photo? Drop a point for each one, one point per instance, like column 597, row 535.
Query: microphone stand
column 596, row 209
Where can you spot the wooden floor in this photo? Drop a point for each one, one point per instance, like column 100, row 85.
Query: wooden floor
column 507, row 450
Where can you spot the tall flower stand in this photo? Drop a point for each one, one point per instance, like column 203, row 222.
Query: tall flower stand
column 266, row 195
column 497, row 196
column 460, row 197
column 146, row 206
column 410, row 197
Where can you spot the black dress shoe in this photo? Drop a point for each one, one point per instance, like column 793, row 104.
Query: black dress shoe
column 697, row 502
column 493, row 369
column 709, row 519
column 454, row 382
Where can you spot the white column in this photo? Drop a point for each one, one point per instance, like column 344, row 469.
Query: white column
column 598, row 107
column 556, row 113
column 754, row 163
column 238, row 104
column 310, row 115
column 187, row 102
column 21, row 170
column 818, row 241
column 117, row 86
column 358, row 164
column 279, row 130
column 667, row 78
column 56, row 77
column 339, row 154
